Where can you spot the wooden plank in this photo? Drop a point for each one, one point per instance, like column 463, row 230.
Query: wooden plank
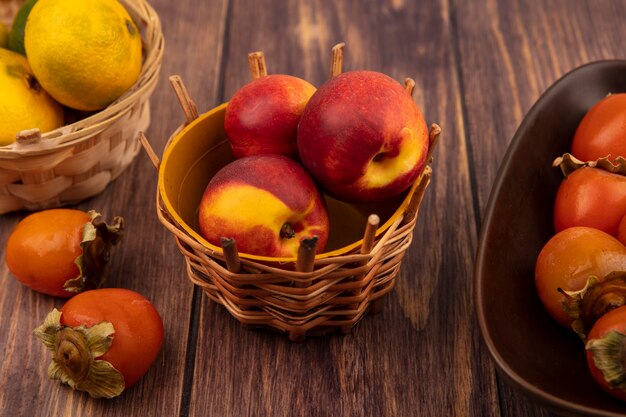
column 421, row 355
column 514, row 54
column 510, row 53
column 147, row 261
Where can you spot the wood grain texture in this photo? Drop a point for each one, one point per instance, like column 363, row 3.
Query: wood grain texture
column 147, row 260
column 519, row 50
column 478, row 67
column 426, row 332
column 506, row 62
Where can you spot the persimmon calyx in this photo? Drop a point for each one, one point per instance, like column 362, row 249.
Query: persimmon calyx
column 568, row 163
column 597, row 298
column 572, row 307
column 97, row 241
column 609, row 354
column 75, row 352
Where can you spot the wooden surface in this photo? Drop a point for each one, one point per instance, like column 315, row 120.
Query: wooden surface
column 478, row 65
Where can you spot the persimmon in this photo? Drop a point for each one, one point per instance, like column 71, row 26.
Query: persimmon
column 102, row 341
column 602, row 130
column 61, row 252
column 591, row 197
column 606, row 352
column 567, row 262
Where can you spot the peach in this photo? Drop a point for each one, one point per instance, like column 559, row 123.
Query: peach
column 362, row 137
column 262, row 117
column 267, row 203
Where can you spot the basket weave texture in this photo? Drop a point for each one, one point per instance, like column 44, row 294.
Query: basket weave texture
column 79, row 160
column 332, row 292
column 336, row 295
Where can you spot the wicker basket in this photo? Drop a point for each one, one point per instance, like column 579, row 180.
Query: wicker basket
column 78, row 160
column 308, row 295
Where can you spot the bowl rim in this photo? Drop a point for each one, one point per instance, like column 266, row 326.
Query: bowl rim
column 178, row 136
column 486, row 229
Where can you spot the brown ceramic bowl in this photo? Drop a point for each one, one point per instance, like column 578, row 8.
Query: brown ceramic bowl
column 536, row 355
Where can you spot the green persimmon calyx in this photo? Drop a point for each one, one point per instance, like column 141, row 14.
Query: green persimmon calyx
column 98, row 239
column 609, row 354
column 75, row 353
column 597, row 298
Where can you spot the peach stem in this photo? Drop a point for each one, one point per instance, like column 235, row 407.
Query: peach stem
column 287, row 232
column 189, row 107
column 256, row 63
column 336, row 60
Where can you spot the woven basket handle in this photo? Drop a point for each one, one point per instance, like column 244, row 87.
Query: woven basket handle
column 433, row 140
column 149, row 150
column 416, row 200
column 189, row 107
column 336, row 60
column 256, row 64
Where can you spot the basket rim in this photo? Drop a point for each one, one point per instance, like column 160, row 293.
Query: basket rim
column 69, row 135
column 179, row 223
